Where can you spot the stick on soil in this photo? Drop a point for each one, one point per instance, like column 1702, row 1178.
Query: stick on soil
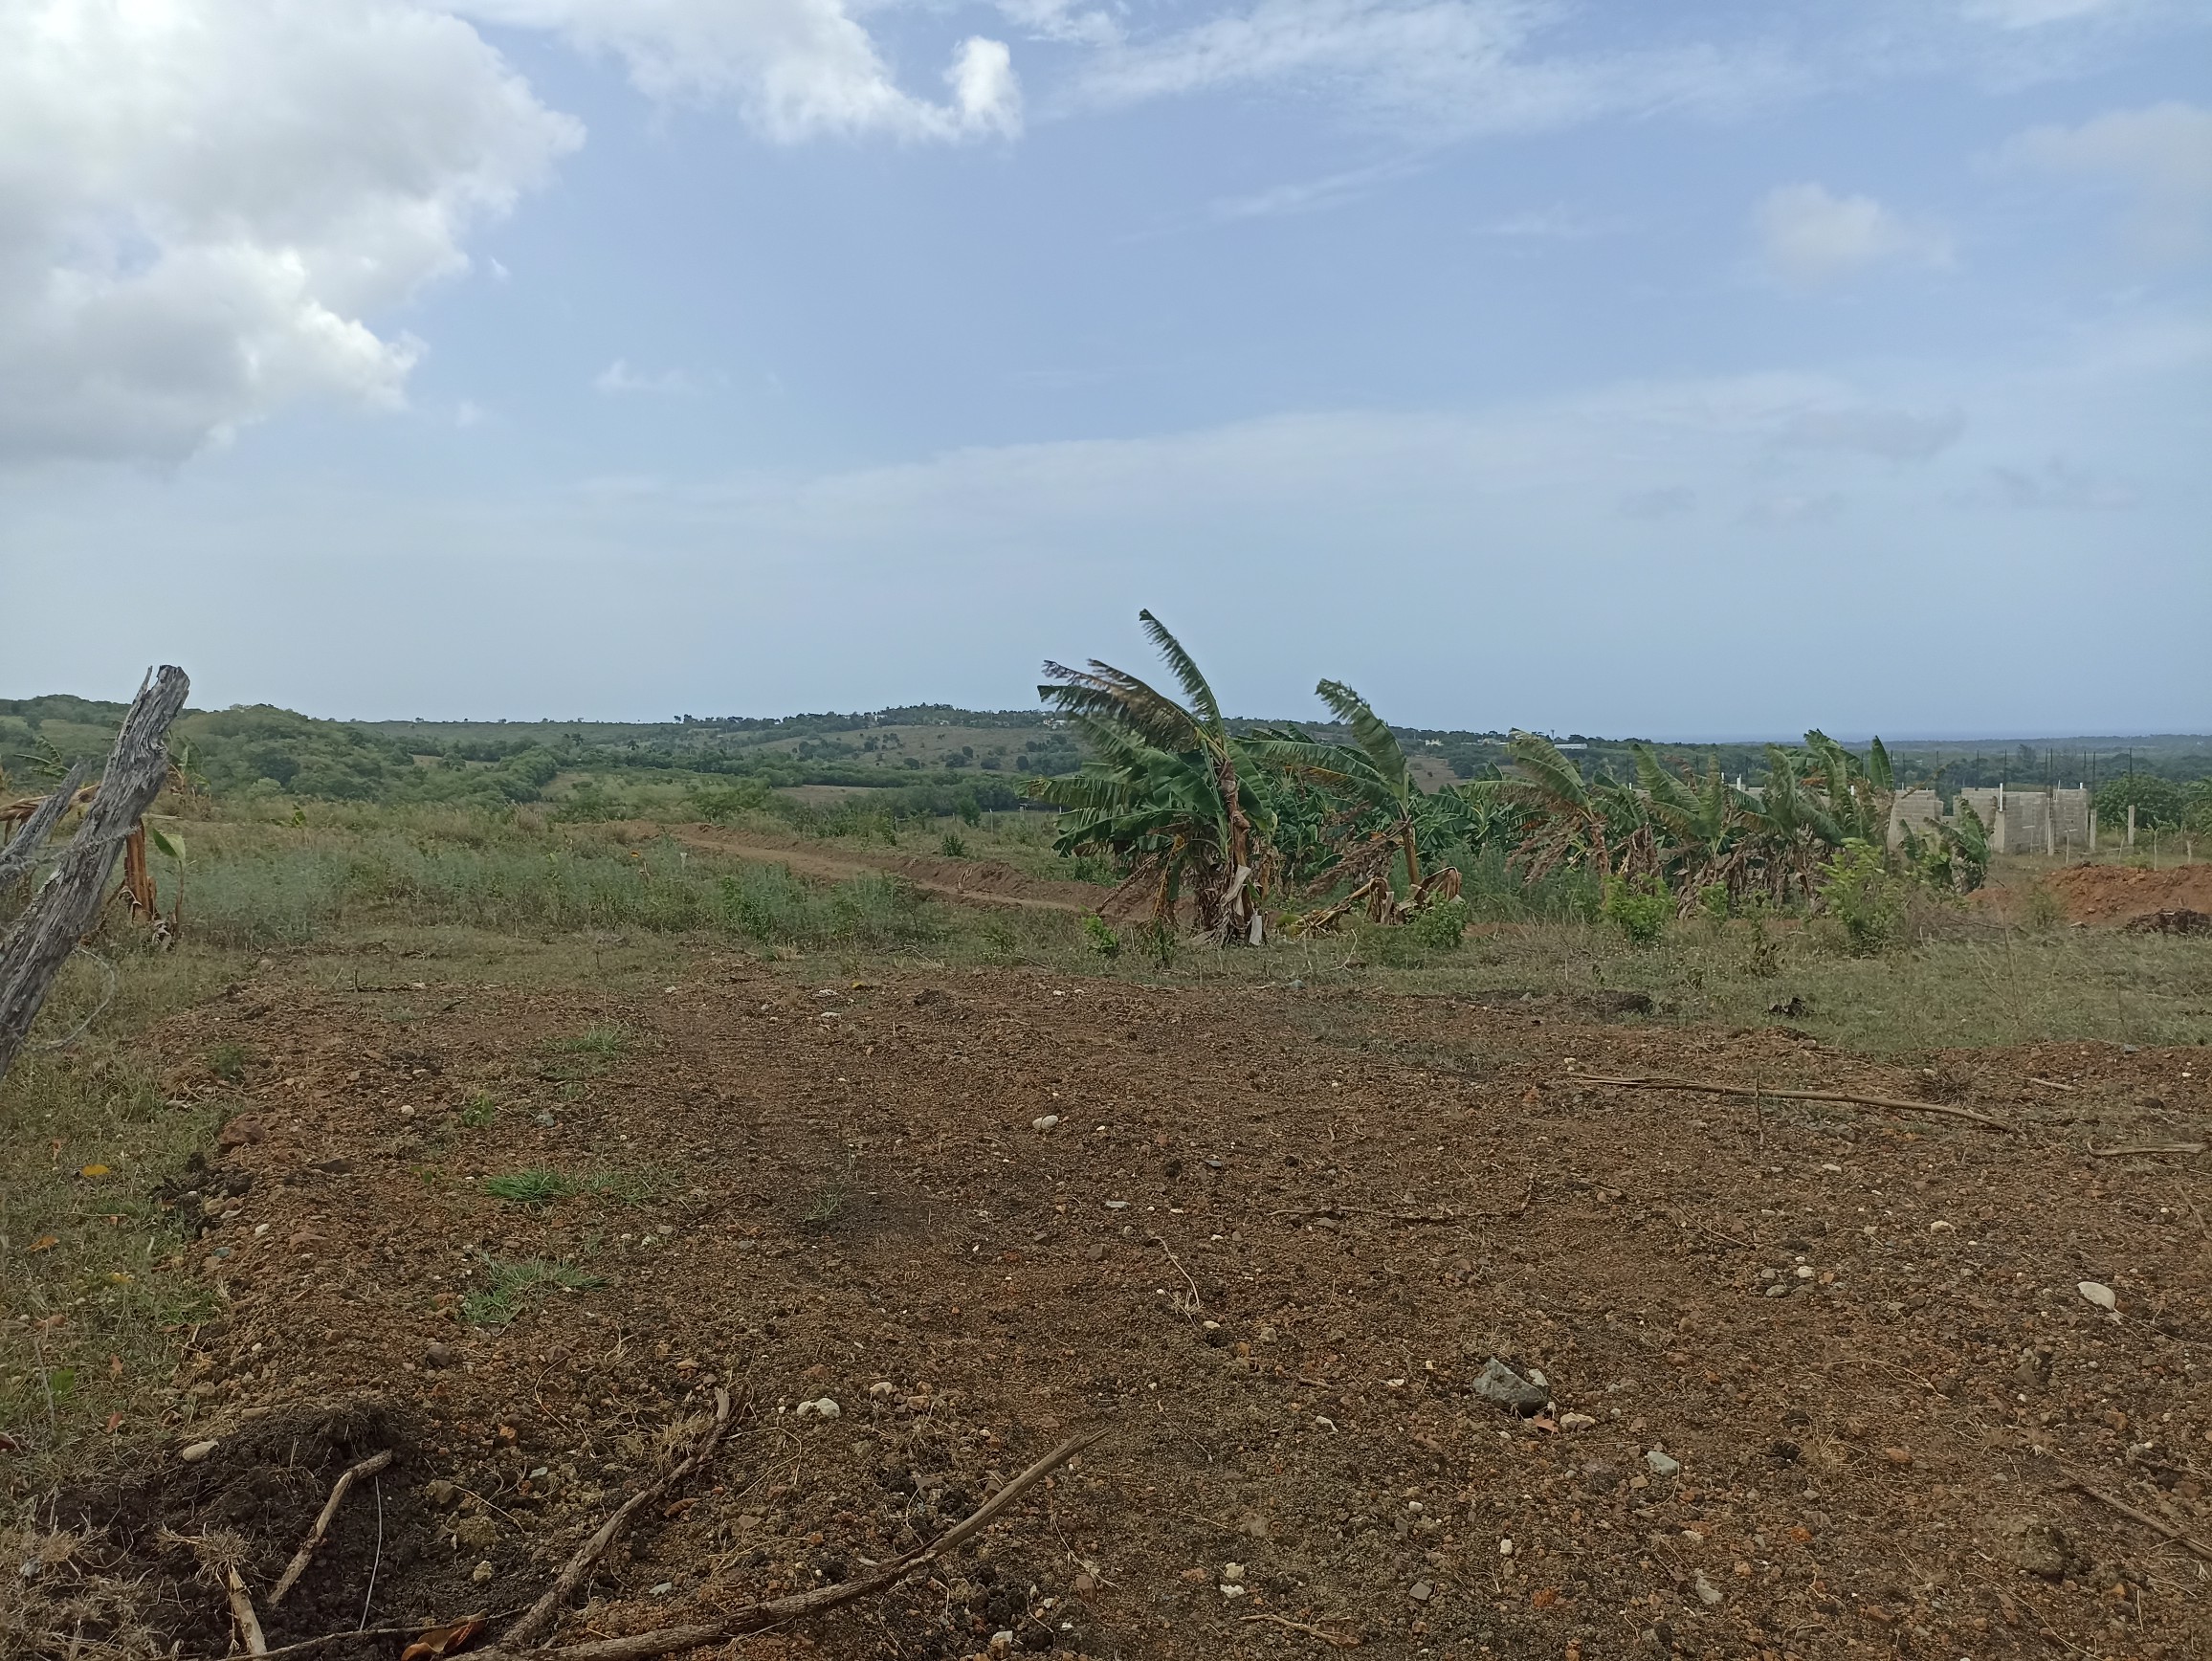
column 778, row 1611
column 300, row 1559
column 541, row 1614
column 2185, row 1542
column 242, row 1611
column 1887, row 1103
column 2148, row 1148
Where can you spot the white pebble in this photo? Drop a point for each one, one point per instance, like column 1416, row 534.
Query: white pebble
column 2099, row 1294
column 1048, row 1121
column 193, row 1452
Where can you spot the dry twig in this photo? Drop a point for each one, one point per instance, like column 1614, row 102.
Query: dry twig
column 1890, row 1103
column 300, row 1559
column 777, row 1611
column 242, row 1612
column 2187, row 1542
column 541, row 1614
column 2158, row 1148
column 1341, row 1640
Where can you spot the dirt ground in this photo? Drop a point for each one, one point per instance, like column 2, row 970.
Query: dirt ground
column 2121, row 893
column 1816, row 1380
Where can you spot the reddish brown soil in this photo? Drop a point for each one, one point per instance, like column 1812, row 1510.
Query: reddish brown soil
column 1270, row 1245
column 977, row 882
column 2120, row 894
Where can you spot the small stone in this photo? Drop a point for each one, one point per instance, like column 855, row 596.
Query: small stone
column 439, row 1354
column 1804, row 1271
column 192, row 1452
column 1083, row 1585
column 1117, row 1205
column 1897, row 1455
column 1708, row 1593
column 1003, row 1642
column 1046, row 1122
column 1505, row 1548
column 1421, row 1591
column 2099, row 1294
column 1576, row 1420
column 480, row 1532
column 482, row 1572
column 240, row 1131
column 1500, row 1384
column 826, row 1407
column 542, row 1119
column 1232, row 1573
column 1662, row 1464
column 883, row 1387
column 441, row 1493
column 1780, row 1289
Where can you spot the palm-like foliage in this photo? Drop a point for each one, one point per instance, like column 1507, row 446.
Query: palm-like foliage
column 1377, row 801
column 1166, row 791
column 1564, row 818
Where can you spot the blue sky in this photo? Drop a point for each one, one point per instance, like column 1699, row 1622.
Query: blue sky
column 1695, row 370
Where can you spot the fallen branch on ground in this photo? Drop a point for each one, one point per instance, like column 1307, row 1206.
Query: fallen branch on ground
column 2053, row 1084
column 540, row 1616
column 777, row 1611
column 1890, row 1103
column 2148, row 1148
column 2185, row 1542
column 1341, row 1640
column 242, row 1612
column 300, row 1559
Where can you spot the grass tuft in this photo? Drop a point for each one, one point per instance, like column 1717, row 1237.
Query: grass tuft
column 512, row 1286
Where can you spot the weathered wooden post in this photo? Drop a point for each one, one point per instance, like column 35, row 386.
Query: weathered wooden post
column 64, row 908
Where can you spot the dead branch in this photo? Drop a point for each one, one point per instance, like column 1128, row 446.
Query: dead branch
column 21, row 851
column 1339, row 1639
column 777, row 1611
column 300, row 1559
column 2148, row 1148
column 2187, row 1542
column 540, row 1615
column 2052, row 1084
column 242, row 1611
column 64, row 908
column 1888, row 1103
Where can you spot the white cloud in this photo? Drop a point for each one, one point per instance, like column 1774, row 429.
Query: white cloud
column 204, row 203
column 1314, row 195
column 798, row 69
column 618, row 378
column 1439, row 68
column 1808, row 234
column 2161, row 155
column 2035, row 14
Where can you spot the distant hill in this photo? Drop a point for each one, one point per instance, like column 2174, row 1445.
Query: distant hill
column 932, row 748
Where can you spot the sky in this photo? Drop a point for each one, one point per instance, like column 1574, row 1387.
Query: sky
column 1711, row 370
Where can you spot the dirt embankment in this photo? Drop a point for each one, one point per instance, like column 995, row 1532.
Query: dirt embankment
column 1813, row 1378
column 2119, row 893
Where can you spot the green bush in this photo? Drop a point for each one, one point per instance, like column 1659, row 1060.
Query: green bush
column 1859, row 892
column 1641, row 910
column 1099, row 936
column 1441, row 927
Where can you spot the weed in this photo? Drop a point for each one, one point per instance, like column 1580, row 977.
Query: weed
column 1101, row 936
column 534, row 1187
column 953, row 846
column 228, row 1062
column 824, row 1209
column 1639, row 910
column 510, row 1286
column 1863, row 896
column 1440, row 927
column 480, row 1111
column 604, row 1043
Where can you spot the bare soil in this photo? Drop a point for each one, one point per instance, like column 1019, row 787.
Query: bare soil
column 2122, row 894
column 1269, row 1243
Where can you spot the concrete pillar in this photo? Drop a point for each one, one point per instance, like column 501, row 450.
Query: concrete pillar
column 2092, row 830
column 2131, row 824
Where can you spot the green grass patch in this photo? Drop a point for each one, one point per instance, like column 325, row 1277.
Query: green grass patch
column 508, row 1288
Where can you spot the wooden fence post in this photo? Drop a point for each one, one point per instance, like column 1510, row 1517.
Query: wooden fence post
column 64, row 908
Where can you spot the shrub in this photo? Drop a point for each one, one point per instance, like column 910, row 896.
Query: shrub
column 1639, row 910
column 1099, row 936
column 1860, row 892
column 1442, row 926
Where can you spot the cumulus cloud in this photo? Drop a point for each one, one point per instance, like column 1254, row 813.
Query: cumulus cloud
column 798, row 69
column 2161, row 156
column 202, row 204
column 1809, row 234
